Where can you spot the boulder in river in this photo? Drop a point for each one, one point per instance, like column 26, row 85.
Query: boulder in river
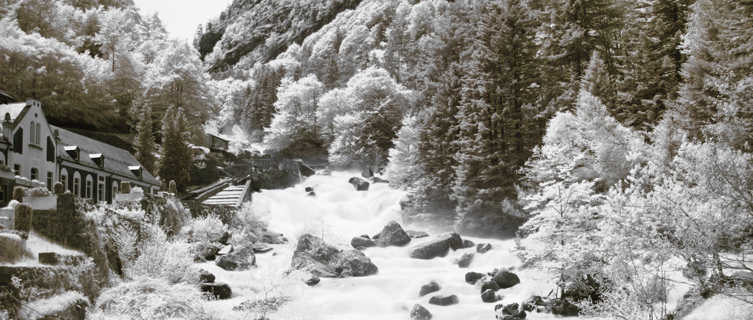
column 239, row 260
column 321, row 259
column 465, row 260
column 392, row 235
column 353, row 263
column 483, row 248
column 220, row 291
column 487, row 284
column 444, row 300
column 467, row 244
column 261, row 248
column 418, row 312
column 437, row 247
column 362, row 242
column 359, row 184
column 489, row 296
column 428, row 288
column 473, row 277
column 506, row 279
column 314, row 280
column 416, row 234
column 205, row 276
column 509, row 312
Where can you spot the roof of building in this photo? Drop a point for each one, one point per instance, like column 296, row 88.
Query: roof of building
column 116, row 160
column 13, row 109
column 6, row 97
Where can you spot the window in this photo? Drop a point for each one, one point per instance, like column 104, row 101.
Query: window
column 77, row 184
column 17, row 169
column 114, row 189
column 34, row 174
column 18, row 141
column 35, row 133
column 89, row 186
column 101, row 189
column 64, row 178
column 50, row 150
column 49, row 180
column 32, row 133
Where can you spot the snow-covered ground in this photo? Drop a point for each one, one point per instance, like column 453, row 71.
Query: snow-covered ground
column 338, row 213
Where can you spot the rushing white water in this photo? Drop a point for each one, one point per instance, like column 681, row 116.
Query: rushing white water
column 337, row 213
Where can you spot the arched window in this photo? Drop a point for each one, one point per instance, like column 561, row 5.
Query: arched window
column 33, row 133
column 89, row 186
column 39, row 134
column 77, row 184
column 101, row 189
column 64, row 178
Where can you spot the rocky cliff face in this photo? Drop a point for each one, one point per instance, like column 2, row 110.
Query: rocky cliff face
column 259, row 30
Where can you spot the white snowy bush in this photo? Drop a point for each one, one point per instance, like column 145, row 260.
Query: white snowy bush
column 150, row 299
column 161, row 258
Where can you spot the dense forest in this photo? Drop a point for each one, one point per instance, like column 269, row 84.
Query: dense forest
column 614, row 131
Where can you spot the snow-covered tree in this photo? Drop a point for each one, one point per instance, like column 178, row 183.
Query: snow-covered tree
column 295, row 120
column 366, row 131
column 404, row 166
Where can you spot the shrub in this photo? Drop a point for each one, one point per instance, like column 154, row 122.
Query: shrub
column 161, row 258
column 206, row 229
column 152, row 299
column 250, row 224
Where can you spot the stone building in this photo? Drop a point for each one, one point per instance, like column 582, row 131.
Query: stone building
column 34, row 154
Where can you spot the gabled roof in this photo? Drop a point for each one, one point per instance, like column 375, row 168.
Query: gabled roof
column 116, row 160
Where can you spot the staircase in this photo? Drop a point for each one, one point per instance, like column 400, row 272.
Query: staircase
column 232, row 195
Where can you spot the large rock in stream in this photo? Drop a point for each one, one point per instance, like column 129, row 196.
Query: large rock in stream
column 392, row 235
column 437, row 247
column 312, row 254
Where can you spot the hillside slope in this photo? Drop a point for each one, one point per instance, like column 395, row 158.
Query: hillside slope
column 259, row 30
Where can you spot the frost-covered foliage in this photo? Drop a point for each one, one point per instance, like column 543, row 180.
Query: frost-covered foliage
column 249, row 224
column 366, row 129
column 404, row 162
column 150, row 299
column 97, row 64
column 295, row 120
column 205, row 229
column 161, row 258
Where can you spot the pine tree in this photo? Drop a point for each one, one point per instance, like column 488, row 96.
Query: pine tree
column 498, row 102
column 175, row 159
column 145, row 139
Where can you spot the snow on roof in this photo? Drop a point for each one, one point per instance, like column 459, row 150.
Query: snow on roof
column 13, row 109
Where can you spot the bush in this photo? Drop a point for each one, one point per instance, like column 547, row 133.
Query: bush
column 152, row 299
column 250, row 224
column 206, row 229
column 163, row 259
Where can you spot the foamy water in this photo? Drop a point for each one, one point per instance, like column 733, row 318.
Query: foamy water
column 337, row 214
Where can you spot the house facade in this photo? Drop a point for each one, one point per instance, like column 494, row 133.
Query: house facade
column 92, row 169
column 33, row 153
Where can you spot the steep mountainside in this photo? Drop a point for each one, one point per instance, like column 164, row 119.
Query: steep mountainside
column 260, row 30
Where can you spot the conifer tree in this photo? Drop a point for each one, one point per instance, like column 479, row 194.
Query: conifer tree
column 175, row 160
column 498, row 104
column 145, row 139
